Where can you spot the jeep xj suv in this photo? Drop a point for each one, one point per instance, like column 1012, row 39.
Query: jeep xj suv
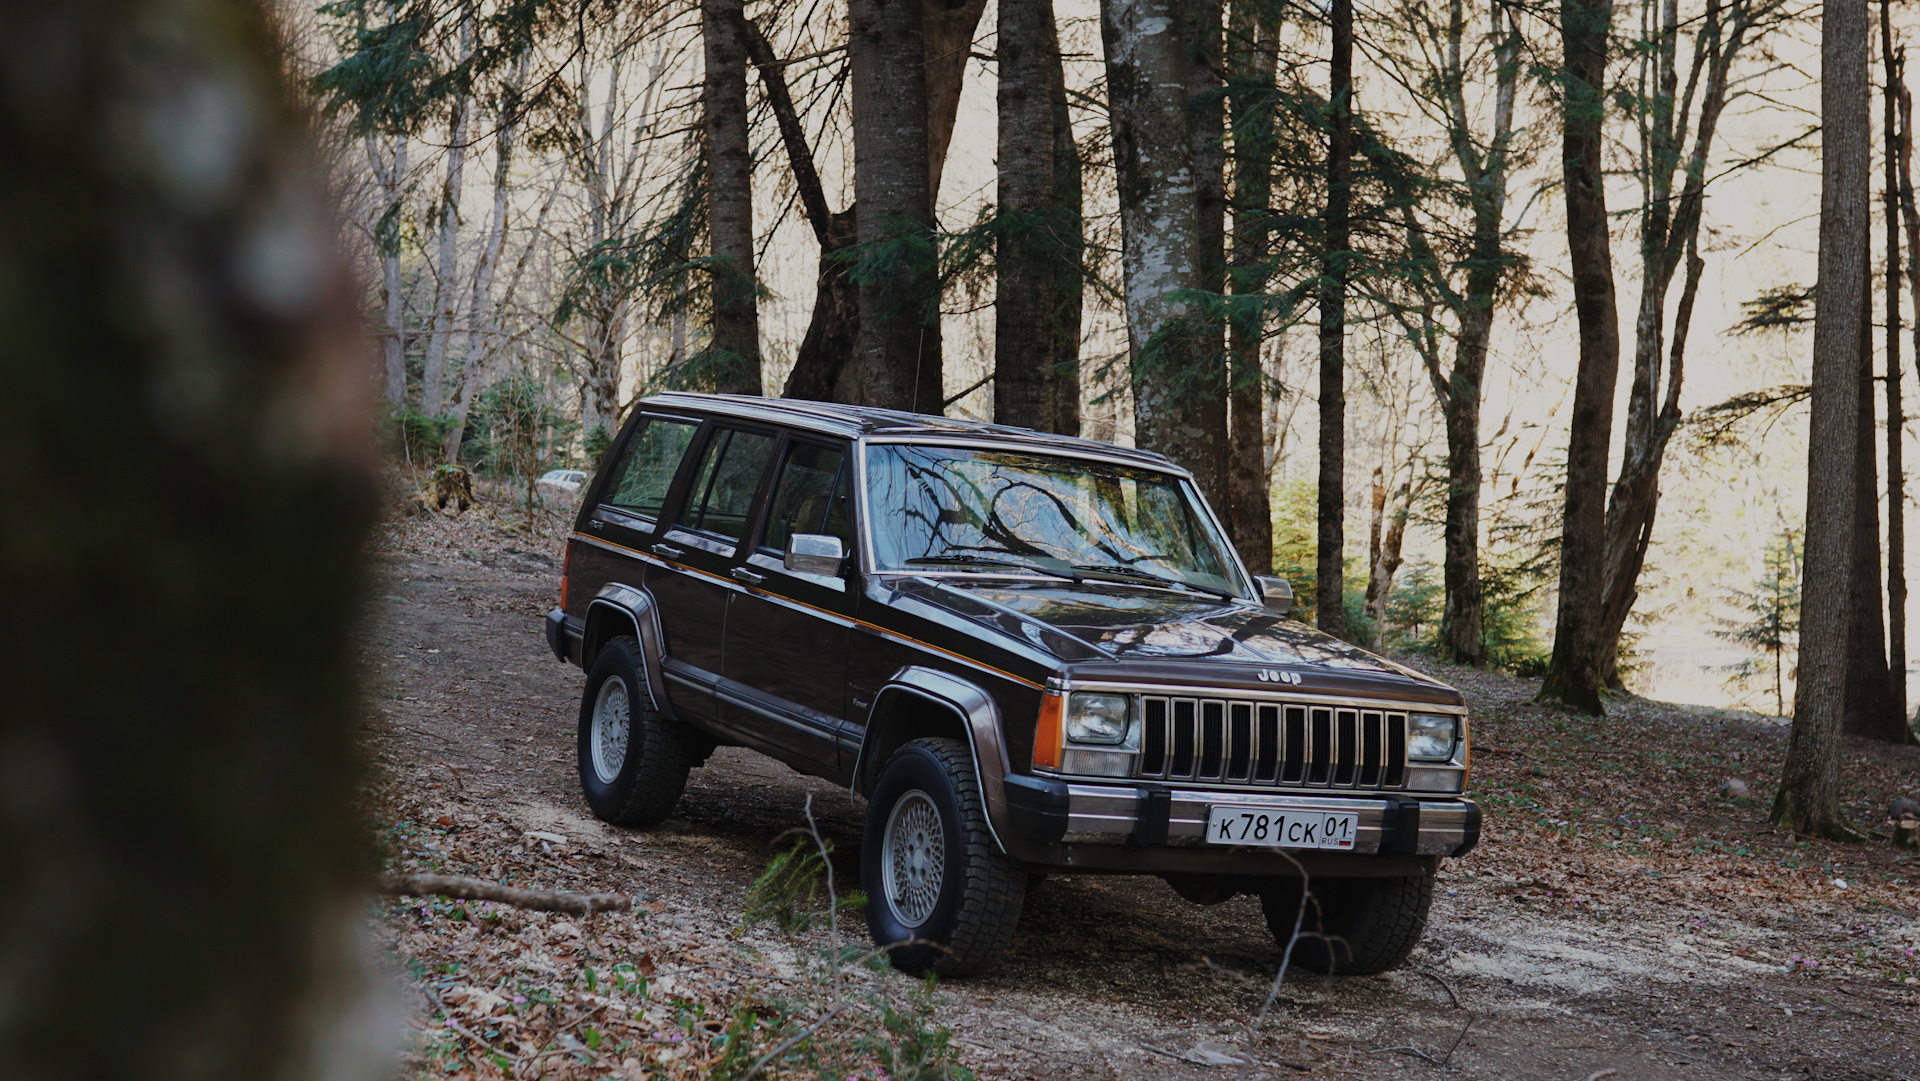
column 1029, row 653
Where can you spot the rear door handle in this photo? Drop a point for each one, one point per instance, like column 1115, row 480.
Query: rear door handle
column 750, row 577
column 668, row 550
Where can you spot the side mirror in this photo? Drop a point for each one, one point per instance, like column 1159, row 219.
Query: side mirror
column 814, row 553
column 1276, row 592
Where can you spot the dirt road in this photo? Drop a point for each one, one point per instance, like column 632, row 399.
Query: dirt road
column 1557, row 951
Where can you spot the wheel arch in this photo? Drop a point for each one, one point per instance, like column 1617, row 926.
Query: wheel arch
column 918, row 702
column 621, row 609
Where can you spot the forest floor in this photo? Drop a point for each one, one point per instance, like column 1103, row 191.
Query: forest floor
column 1619, row 919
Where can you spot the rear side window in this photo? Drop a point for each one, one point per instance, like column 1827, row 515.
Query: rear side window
column 646, row 469
column 721, row 496
column 809, row 497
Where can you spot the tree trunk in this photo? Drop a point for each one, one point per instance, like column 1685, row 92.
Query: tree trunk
column 1386, row 540
column 948, row 27
column 482, row 323
column 1252, row 58
column 1026, row 297
column 1894, row 142
column 1069, row 234
column 1669, row 232
column 1575, row 678
column 446, row 290
column 1808, row 800
column 1867, row 709
column 736, row 305
column 1330, row 610
column 392, row 178
column 185, row 817
column 1179, row 394
column 836, row 304
column 1464, row 609
column 899, row 306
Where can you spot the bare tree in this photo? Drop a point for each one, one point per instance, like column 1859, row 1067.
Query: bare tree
column 446, row 290
column 1808, row 800
column 1676, row 146
column 1464, row 272
column 1574, row 677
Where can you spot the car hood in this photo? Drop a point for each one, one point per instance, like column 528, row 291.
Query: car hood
column 1098, row 621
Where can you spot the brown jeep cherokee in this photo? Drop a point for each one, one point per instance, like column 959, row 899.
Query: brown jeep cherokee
column 1029, row 653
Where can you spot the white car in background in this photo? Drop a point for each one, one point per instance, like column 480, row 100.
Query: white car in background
column 565, row 480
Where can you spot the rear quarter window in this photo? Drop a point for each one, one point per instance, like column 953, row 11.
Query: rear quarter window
column 644, row 474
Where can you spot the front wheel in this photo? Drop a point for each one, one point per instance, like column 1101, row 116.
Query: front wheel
column 938, row 893
column 1352, row 926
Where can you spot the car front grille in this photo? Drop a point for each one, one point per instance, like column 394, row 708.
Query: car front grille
column 1236, row 741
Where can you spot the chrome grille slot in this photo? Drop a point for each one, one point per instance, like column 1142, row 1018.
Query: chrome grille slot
column 1270, row 744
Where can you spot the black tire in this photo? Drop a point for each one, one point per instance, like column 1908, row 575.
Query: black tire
column 657, row 755
column 976, row 894
column 1352, row 926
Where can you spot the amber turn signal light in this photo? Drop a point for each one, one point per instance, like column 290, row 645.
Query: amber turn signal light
column 1049, row 736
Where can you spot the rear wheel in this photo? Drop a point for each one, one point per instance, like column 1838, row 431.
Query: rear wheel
column 1352, row 926
column 938, row 892
column 633, row 761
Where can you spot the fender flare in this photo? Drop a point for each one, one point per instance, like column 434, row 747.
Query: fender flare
column 980, row 718
column 637, row 606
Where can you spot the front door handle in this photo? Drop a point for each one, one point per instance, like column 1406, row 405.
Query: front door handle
column 752, row 578
column 668, row 551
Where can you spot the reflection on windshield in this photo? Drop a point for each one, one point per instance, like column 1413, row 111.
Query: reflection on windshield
column 966, row 508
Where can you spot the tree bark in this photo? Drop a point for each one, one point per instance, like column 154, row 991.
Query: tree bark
column 1069, row 232
column 1330, row 610
column 482, row 323
column 898, row 308
column 1867, row 710
column 736, row 305
column 1808, row 800
column 181, row 814
column 1895, row 144
column 1153, row 48
column 1574, row 678
column 1033, row 240
column 446, row 290
column 1252, row 58
column 393, row 297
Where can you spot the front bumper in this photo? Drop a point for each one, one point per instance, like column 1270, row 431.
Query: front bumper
column 1135, row 816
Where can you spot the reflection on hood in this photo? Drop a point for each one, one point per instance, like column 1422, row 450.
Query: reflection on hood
column 1101, row 621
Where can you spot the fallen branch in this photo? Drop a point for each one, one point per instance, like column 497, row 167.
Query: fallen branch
column 474, row 889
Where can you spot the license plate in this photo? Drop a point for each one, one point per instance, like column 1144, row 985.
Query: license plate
column 1239, row 824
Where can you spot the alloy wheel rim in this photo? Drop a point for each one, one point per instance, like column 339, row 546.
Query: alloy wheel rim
column 612, row 714
column 914, row 857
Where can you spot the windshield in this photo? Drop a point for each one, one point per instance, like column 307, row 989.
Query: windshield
column 1008, row 512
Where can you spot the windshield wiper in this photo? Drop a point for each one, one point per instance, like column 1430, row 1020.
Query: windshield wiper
column 965, row 559
column 1149, row 576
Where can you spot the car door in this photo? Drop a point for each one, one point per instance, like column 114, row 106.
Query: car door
column 628, row 506
column 788, row 631
column 696, row 551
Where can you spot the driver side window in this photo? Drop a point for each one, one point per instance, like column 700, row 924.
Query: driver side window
column 810, row 496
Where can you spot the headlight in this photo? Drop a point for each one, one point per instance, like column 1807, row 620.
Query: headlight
column 1430, row 737
column 1097, row 718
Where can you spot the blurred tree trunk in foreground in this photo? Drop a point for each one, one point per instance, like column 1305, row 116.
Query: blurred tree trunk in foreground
column 1808, row 800
column 185, row 484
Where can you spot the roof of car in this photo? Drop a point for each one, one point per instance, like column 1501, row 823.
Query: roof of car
column 861, row 421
